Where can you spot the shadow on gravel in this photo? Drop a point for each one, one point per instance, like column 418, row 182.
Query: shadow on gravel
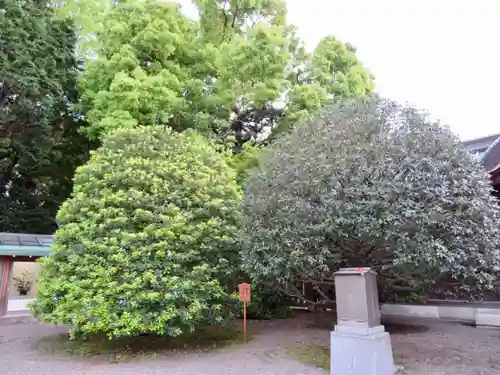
column 144, row 346
column 403, row 328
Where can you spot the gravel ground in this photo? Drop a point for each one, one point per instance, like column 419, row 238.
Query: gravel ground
column 263, row 355
column 426, row 348
column 448, row 349
column 430, row 347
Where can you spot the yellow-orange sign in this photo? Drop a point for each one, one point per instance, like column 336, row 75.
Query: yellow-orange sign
column 244, row 292
column 244, row 289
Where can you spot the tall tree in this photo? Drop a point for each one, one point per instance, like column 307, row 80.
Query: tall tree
column 236, row 74
column 86, row 16
column 37, row 85
column 222, row 20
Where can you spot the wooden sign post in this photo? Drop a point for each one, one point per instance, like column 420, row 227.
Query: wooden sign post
column 244, row 289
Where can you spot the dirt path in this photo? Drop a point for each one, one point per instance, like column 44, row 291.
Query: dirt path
column 427, row 348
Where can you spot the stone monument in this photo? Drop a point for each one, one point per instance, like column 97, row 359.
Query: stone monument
column 359, row 343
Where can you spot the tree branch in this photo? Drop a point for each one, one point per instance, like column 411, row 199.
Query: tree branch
column 326, row 297
column 235, row 14
column 297, row 294
column 7, row 175
column 226, row 20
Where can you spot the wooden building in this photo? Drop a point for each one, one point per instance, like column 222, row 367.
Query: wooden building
column 18, row 254
column 487, row 150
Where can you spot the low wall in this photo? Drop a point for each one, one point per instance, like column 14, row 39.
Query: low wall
column 468, row 314
column 475, row 314
column 18, row 304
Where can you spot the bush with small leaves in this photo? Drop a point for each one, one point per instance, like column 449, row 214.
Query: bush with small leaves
column 146, row 242
column 376, row 184
column 268, row 303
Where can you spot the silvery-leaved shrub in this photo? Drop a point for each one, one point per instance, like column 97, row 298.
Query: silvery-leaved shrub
column 372, row 184
column 146, row 241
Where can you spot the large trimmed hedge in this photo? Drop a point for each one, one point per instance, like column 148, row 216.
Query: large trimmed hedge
column 145, row 243
column 373, row 184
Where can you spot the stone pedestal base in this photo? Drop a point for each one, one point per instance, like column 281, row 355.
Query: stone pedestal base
column 355, row 351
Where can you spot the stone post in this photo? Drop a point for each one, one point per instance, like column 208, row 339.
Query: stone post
column 359, row 343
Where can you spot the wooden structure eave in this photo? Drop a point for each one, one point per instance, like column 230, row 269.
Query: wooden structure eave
column 25, row 251
column 27, row 245
column 495, row 176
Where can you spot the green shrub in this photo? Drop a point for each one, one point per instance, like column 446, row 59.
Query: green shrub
column 146, row 241
column 245, row 161
column 268, row 303
column 370, row 184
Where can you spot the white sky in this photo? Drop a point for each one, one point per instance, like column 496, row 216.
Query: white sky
column 442, row 56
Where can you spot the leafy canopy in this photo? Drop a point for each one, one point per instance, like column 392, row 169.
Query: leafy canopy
column 39, row 145
column 146, row 239
column 373, row 184
column 235, row 75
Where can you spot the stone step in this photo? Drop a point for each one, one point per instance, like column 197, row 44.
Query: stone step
column 18, row 317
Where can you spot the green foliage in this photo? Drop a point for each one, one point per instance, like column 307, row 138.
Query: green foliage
column 222, row 20
column 243, row 162
column 238, row 72
column 331, row 72
column 374, row 184
column 146, row 241
column 142, row 69
column 87, row 15
column 335, row 67
column 39, row 146
column 268, row 303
